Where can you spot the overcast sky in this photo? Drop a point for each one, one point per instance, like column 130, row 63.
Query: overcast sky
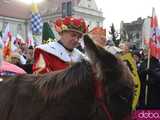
column 127, row 10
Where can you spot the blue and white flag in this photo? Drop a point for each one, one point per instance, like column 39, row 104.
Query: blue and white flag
column 36, row 20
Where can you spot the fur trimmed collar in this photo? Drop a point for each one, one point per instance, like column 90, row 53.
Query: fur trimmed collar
column 59, row 51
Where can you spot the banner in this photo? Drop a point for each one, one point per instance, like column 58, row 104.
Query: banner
column 128, row 59
column 151, row 35
column 36, row 20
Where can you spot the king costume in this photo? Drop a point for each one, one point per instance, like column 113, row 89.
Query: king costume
column 53, row 57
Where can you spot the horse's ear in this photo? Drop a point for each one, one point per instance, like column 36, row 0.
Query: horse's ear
column 91, row 49
column 94, row 53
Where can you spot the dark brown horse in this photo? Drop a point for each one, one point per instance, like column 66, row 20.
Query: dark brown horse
column 100, row 89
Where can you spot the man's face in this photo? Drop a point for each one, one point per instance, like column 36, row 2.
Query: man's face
column 101, row 41
column 70, row 39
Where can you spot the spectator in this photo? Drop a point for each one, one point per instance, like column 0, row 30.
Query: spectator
column 153, row 84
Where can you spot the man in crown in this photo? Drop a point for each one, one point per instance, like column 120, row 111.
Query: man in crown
column 60, row 54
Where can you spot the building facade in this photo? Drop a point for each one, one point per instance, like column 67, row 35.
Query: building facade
column 132, row 32
column 19, row 17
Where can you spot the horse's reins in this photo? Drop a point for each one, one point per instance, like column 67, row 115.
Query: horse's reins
column 99, row 94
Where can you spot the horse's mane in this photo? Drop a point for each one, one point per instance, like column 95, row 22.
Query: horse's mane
column 57, row 83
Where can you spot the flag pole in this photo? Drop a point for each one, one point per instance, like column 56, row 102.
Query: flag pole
column 147, row 77
column 36, row 23
column 149, row 54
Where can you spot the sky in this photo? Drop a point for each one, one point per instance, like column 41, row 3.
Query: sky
column 115, row 11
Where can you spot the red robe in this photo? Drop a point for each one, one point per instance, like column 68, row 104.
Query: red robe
column 52, row 58
column 49, row 59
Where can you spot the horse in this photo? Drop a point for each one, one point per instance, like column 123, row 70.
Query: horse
column 99, row 88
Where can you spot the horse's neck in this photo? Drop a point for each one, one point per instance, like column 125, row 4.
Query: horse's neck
column 79, row 76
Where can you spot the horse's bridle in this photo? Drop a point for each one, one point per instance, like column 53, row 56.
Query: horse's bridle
column 100, row 93
column 100, row 96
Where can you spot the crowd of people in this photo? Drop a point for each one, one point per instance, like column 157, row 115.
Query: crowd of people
column 67, row 50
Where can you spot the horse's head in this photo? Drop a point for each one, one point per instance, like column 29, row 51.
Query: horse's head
column 105, row 64
column 115, row 79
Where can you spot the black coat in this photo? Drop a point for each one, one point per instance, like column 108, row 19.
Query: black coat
column 153, row 84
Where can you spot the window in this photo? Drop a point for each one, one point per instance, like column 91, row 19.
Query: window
column 66, row 9
column 98, row 23
column 137, row 35
column 4, row 26
column 19, row 27
column 90, row 23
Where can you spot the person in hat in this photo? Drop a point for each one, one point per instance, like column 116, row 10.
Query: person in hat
column 98, row 34
column 61, row 53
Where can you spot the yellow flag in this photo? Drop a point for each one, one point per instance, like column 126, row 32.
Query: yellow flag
column 132, row 66
column 34, row 8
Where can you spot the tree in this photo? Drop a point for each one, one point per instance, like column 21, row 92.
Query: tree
column 114, row 35
column 47, row 34
column 1, row 34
